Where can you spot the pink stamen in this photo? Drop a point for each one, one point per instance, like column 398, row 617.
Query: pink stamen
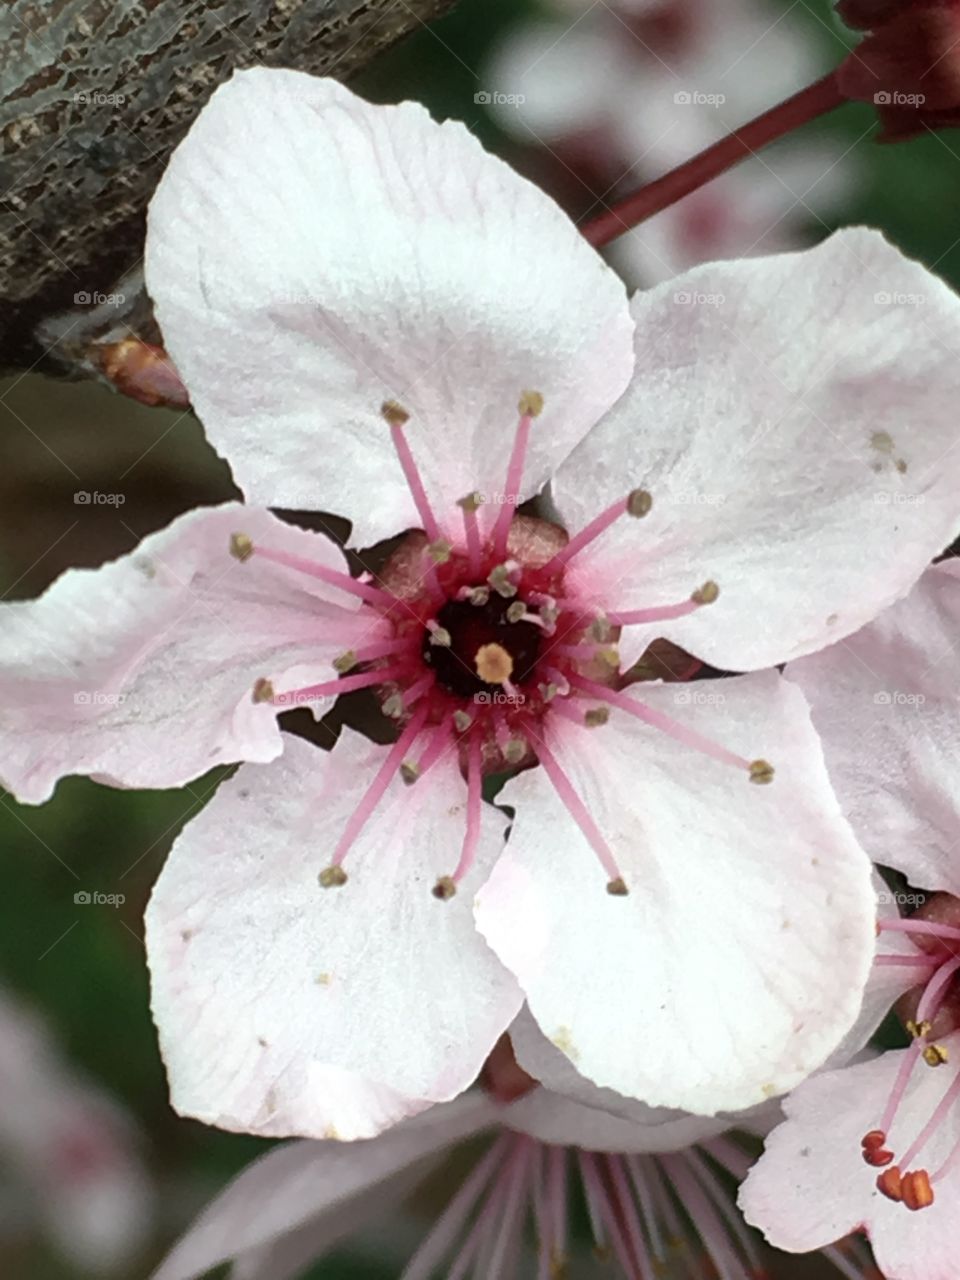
column 474, row 803
column 417, row 690
column 657, row 720
column 578, row 811
column 440, row 739
column 511, row 493
column 657, row 613
column 346, row 684
column 373, row 595
column 600, row 524
column 414, row 483
column 385, row 648
column 374, row 794
column 943, row 931
column 926, row 1008
column 471, row 530
column 918, row 961
column 948, row 1165
column 934, row 1123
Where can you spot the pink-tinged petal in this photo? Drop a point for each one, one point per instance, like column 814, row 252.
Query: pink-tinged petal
column 749, row 922
column 570, row 1110
column 311, row 1185
column 312, row 255
column 141, row 673
column 288, row 1009
column 886, row 703
column 812, row 1186
column 786, row 413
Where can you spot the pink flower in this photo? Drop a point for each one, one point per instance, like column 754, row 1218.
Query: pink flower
column 71, row 1148
column 372, row 315
column 877, row 1145
column 654, row 1188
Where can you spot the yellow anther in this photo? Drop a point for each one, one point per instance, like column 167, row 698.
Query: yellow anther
column 596, row 716
column 393, row 706
column 600, row 630
column 262, row 690
column 919, row 1030
column 499, row 579
column 462, row 721
column 706, row 594
column 439, row 551
column 935, row 1055
column 639, row 503
column 531, row 404
column 346, row 662
column 471, row 502
column 440, row 636
column 241, row 546
column 479, row 596
column 617, row 888
column 515, row 750
column 394, row 413
column 517, row 611
column 610, row 657
column 332, row 877
column 493, row 663
column 409, row 772
column 761, row 771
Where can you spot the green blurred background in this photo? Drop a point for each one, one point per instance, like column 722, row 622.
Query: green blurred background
column 83, row 965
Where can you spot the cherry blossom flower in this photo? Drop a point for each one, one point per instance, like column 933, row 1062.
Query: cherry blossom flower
column 877, row 1144
column 373, row 316
column 625, row 91
column 68, row 1151
column 654, row 1188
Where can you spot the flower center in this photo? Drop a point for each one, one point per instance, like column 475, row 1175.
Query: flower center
column 486, row 640
column 490, row 646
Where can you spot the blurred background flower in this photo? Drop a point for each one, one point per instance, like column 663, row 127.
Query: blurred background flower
column 601, row 113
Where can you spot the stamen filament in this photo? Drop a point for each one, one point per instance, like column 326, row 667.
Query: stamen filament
column 411, row 473
column 474, row 801
column 927, row 1005
column 347, row 684
column 933, row 1124
column 374, row 793
column 589, row 533
column 471, row 530
column 657, row 613
column 579, row 813
column 932, row 930
column 372, row 595
column 658, row 720
column 383, row 649
column 511, row 493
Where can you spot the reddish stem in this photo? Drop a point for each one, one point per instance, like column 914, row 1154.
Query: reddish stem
column 815, row 100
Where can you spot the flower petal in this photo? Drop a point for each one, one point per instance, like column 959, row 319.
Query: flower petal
column 311, row 1185
column 570, row 1110
column 738, row 960
column 886, row 703
column 285, row 1008
column 811, row 1186
column 312, row 255
column 785, row 414
column 141, row 672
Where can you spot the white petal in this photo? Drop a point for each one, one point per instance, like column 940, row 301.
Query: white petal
column 288, row 1009
column 737, row 962
column 311, row 255
column 786, row 414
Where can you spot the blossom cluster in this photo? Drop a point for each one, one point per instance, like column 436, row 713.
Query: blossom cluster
column 649, row 922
